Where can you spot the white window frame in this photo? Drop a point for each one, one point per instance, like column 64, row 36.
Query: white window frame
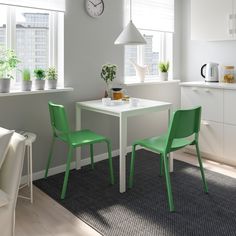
column 140, row 59
column 56, row 40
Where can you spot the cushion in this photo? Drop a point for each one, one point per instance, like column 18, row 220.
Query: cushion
column 3, row 198
column 5, row 138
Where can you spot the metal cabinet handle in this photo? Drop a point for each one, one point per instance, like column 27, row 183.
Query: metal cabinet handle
column 203, row 122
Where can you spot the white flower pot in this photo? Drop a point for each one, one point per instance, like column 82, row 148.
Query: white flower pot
column 164, row 76
column 52, row 84
column 26, row 85
column 39, row 84
column 5, row 85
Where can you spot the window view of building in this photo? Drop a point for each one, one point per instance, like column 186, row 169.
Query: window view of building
column 3, row 29
column 32, row 39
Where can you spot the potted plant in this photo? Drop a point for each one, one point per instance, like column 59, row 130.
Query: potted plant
column 51, row 76
column 108, row 74
column 8, row 63
column 26, row 80
column 39, row 79
column 163, row 68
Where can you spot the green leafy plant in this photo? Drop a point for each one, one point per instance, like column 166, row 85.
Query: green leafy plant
column 164, row 66
column 51, row 73
column 108, row 73
column 26, row 75
column 8, row 63
column 39, row 74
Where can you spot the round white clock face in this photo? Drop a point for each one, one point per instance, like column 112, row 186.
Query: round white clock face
column 95, row 8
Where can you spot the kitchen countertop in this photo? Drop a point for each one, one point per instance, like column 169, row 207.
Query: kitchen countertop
column 220, row 85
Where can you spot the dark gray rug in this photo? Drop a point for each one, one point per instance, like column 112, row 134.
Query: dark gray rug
column 143, row 210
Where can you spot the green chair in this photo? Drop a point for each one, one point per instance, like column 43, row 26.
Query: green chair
column 183, row 130
column 74, row 139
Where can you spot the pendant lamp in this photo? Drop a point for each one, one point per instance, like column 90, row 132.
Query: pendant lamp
column 130, row 34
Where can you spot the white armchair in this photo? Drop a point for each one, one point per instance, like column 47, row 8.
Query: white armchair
column 10, row 175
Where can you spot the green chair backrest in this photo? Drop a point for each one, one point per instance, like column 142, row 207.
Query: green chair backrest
column 184, row 123
column 58, row 118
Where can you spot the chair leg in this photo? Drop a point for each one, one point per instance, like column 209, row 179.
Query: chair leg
column 201, row 168
column 110, row 162
column 63, row 193
column 131, row 177
column 91, row 155
column 49, row 158
column 161, row 166
column 168, row 184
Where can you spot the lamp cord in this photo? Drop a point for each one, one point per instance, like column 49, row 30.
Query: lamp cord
column 130, row 10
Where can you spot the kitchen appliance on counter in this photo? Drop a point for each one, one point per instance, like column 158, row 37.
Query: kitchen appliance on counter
column 211, row 72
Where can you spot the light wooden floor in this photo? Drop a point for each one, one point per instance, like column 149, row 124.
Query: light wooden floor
column 45, row 217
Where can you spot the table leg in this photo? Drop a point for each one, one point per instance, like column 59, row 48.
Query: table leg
column 171, row 158
column 123, row 150
column 31, row 172
column 78, row 127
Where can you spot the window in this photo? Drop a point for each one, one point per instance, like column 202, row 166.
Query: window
column 3, row 26
column 33, row 31
column 155, row 20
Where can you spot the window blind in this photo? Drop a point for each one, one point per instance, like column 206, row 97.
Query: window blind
column 153, row 14
column 52, row 5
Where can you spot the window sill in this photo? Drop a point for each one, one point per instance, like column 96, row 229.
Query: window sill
column 151, row 82
column 19, row 92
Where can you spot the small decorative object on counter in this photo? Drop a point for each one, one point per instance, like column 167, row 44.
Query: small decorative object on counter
column 26, row 84
column 228, row 74
column 108, row 74
column 163, row 68
column 39, row 79
column 117, row 93
column 51, row 76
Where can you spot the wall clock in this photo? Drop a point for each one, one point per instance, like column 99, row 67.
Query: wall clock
column 94, row 8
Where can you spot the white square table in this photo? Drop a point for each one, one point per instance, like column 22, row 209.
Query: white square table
column 122, row 111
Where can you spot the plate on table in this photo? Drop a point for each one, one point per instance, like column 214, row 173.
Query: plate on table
column 116, row 102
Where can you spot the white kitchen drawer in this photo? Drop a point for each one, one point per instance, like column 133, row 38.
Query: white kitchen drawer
column 210, row 99
column 230, row 144
column 211, row 138
column 230, row 107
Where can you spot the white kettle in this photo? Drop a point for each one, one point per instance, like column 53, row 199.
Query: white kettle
column 211, row 72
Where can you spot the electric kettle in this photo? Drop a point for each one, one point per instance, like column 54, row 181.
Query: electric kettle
column 211, row 72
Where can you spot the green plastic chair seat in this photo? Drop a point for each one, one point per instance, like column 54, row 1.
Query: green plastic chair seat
column 158, row 144
column 82, row 137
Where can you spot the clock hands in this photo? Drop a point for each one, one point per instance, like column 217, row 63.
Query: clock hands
column 98, row 4
column 93, row 4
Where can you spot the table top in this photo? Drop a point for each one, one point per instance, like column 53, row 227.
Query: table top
column 144, row 105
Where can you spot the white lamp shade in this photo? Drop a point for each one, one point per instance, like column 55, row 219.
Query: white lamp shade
column 130, row 36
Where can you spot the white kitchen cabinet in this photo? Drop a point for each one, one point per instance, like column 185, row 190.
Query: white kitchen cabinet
column 230, row 143
column 230, row 107
column 211, row 138
column 217, row 137
column 207, row 98
column 213, row 20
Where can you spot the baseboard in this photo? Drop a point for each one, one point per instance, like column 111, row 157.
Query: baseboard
column 61, row 168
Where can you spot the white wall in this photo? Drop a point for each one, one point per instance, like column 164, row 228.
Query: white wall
column 197, row 53
column 88, row 45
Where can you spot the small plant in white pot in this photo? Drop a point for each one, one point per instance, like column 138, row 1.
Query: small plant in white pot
column 108, row 74
column 51, row 76
column 26, row 80
column 8, row 63
column 39, row 79
column 163, row 68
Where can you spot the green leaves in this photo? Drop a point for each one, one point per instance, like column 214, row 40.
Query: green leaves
column 51, row 73
column 108, row 72
column 164, row 66
column 39, row 74
column 8, row 62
